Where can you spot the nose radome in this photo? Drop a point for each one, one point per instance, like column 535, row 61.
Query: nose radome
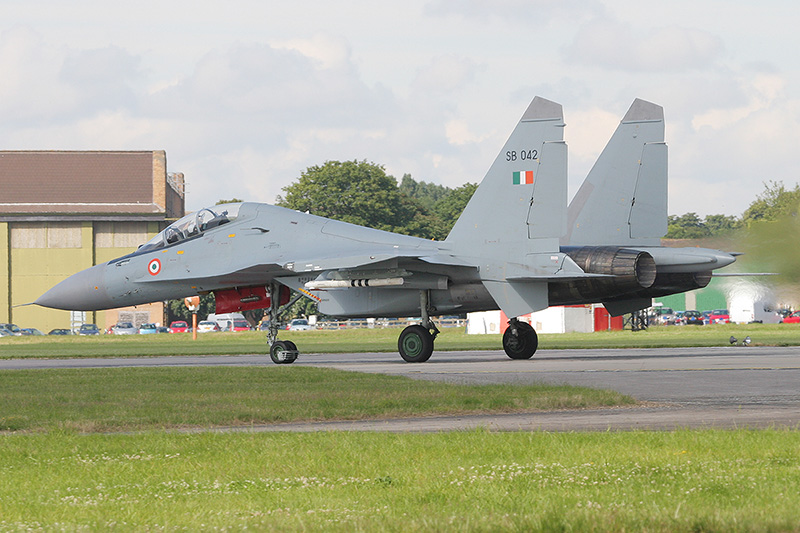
column 84, row 291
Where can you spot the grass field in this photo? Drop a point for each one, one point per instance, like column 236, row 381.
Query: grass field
column 382, row 340
column 126, row 399
column 58, row 471
column 464, row 481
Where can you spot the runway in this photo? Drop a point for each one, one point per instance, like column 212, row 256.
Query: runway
column 725, row 387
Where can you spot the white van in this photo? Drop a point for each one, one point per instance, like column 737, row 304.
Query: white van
column 225, row 320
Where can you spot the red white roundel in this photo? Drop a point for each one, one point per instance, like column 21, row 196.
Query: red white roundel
column 154, row 267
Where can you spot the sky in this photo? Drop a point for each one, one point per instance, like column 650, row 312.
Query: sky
column 245, row 95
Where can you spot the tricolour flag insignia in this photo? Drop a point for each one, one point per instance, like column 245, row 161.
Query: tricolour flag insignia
column 524, row 177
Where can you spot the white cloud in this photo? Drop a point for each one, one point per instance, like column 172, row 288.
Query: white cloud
column 244, row 96
column 331, row 51
column 608, row 43
column 445, row 74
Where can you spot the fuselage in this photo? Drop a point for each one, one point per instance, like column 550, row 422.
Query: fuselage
column 252, row 244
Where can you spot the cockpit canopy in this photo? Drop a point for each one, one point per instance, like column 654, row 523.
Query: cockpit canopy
column 192, row 225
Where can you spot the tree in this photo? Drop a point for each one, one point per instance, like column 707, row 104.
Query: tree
column 688, row 226
column 449, row 207
column 426, row 194
column 360, row 193
column 775, row 202
column 720, row 224
column 177, row 310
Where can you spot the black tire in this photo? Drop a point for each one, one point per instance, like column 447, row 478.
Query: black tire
column 415, row 344
column 522, row 345
column 283, row 352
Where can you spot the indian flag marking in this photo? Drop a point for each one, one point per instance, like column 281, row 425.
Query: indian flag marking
column 524, row 177
column 154, row 267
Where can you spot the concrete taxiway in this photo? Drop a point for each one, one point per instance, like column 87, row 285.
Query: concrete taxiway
column 725, row 387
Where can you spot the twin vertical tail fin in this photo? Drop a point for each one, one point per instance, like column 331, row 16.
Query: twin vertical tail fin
column 521, row 203
column 623, row 200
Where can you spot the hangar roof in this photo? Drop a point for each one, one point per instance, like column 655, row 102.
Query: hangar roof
column 75, row 183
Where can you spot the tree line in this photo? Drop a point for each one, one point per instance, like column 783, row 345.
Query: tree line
column 361, row 192
column 776, row 202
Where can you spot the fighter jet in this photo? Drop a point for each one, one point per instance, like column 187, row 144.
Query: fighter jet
column 517, row 246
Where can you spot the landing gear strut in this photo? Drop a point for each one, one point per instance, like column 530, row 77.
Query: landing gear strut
column 416, row 342
column 520, row 340
column 281, row 352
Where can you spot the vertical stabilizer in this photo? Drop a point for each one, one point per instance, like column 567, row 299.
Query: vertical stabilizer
column 521, row 203
column 623, row 200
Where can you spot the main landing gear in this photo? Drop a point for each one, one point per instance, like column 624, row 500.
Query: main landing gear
column 416, row 342
column 520, row 340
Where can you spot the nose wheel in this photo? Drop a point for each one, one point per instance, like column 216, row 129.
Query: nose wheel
column 281, row 352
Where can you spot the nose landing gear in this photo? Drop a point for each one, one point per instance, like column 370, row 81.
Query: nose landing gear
column 281, row 352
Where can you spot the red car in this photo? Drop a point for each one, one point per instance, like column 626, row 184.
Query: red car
column 239, row 325
column 719, row 316
column 794, row 318
column 179, row 326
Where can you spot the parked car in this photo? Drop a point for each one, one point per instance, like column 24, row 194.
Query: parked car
column 88, row 329
column 30, row 332
column 147, row 329
column 239, row 325
column 179, row 326
column 299, row 324
column 124, row 328
column 663, row 316
column 719, row 316
column 794, row 318
column 693, row 318
column 60, row 331
column 205, row 326
column 5, row 333
column 13, row 328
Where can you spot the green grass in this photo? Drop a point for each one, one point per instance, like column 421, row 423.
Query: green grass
column 382, row 340
column 53, row 478
column 125, row 399
column 463, row 481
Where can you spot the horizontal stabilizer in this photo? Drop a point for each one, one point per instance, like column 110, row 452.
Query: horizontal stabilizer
column 517, row 298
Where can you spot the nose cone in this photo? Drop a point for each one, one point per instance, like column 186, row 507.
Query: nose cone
column 84, row 291
column 724, row 259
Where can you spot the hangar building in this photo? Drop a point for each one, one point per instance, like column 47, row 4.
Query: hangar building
column 61, row 212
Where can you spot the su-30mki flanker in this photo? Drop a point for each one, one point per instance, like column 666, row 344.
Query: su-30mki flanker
column 517, row 246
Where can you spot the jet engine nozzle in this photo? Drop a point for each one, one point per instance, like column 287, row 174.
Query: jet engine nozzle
column 629, row 267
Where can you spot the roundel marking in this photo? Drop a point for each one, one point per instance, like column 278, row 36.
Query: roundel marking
column 154, row 267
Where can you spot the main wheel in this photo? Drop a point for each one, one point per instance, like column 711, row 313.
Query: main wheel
column 415, row 344
column 523, row 343
column 283, row 352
